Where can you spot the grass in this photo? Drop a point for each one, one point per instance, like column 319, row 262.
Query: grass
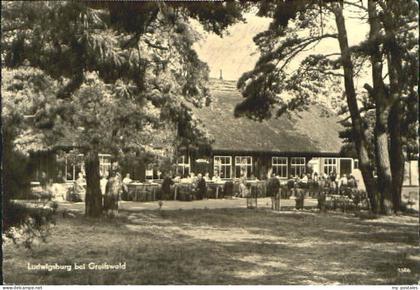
column 225, row 246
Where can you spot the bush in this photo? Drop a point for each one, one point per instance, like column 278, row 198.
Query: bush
column 24, row 224
column 21, row 223
column 15, row 174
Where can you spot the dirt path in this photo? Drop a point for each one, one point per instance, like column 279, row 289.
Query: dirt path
column 187, row 205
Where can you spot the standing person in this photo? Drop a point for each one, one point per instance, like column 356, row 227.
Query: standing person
column 273, row 187
column 125, row 182
column 103, row 183
column 79, row 187
column 166, row 186
column 44, row 183
column 113, row 191
column 201, row 187
column 290, row 186
column 51, row 190
column 333, row 177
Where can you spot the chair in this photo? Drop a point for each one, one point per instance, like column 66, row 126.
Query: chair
column 228, row 188
column 411, row 198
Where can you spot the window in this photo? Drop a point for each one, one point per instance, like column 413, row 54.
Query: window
column 279, row 165
column 152, row 173
column 183, row 166
column 330, row 164
column 223, row 166
column 297, row 166
column 243, row 166
column 356, row 163
column 104, row 164
column 74, row 165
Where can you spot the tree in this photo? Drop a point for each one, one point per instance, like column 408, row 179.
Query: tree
column 299, row 26
column 400, row 22
column 23, row 91
column 141, row 54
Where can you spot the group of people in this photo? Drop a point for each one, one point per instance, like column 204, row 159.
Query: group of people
column 192, row 178
column 199, row 183
column 112, row 186
column 316, row 180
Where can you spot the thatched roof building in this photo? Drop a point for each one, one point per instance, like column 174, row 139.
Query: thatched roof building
column 312, row 131
column 288, row 145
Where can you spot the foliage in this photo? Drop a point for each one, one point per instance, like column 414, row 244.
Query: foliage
column 287, row 77
column 273, row 86
column 25, row 225
column 123, row 71
column 27, row 97
column 146, row 58
column 15, row 177
column 26, row 92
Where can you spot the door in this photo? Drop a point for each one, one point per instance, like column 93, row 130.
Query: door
column 345, row 166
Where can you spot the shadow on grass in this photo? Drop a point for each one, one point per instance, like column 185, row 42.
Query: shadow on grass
column 224, row 246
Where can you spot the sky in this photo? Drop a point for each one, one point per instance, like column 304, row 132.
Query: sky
column 236, row 52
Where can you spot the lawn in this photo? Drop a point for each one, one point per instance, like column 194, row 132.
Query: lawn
column 225, row 246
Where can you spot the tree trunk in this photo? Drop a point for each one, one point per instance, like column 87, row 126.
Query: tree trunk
column 358, row 126
column 396, row 81
column 382, row 107
column 396, row 154
column 384, row 172
column 93, row 201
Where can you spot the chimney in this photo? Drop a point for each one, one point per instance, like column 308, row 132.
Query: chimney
column 221, row 75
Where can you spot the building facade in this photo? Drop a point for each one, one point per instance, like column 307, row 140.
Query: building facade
column 290, row 145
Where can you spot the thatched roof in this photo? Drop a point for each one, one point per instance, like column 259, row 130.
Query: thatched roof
column 311, row 131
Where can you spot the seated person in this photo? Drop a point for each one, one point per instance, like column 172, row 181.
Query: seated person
column 343, row 181
column 216, row 178
column 253, row 177
column 207, row 177
column 185, row 179
column 127, row 179
column 243, row 189
column 290, row 183
column 352, row 182
column 303, row 181
column 192, row 178
column 177, row 178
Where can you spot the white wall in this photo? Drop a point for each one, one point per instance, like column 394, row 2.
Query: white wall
column 411, row 173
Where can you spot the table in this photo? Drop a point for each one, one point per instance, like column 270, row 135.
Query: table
column 183, row 185
column 139, row 191
column 259, row 186
column 216, row 185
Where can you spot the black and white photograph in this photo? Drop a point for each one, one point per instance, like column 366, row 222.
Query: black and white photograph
column 271, row 142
